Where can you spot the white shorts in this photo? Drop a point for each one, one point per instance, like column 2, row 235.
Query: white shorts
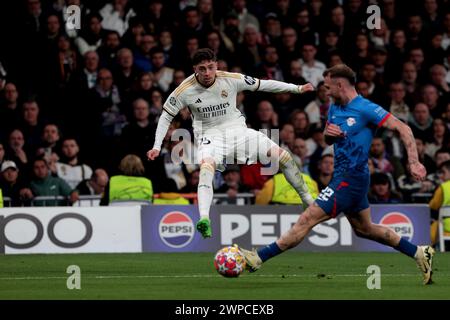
column 239, row 145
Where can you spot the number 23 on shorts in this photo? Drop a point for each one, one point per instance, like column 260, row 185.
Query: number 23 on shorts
column 326, row 194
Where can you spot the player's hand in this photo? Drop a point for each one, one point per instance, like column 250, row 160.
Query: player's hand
column 306, row 87
column 152, row 154
column 417, row 170
column 333, row 130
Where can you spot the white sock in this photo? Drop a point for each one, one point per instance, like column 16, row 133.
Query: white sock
column 294, row 177
column 205, row 190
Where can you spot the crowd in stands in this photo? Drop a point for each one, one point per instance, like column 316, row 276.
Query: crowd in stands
column 74, row 102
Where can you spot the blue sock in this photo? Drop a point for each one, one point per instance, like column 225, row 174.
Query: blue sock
column 406, row 247
column 269, row 251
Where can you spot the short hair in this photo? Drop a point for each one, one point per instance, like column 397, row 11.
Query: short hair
column 341, row 71
column 131, row 165
column 204, row 54
column 446, row 165
column 379, row 178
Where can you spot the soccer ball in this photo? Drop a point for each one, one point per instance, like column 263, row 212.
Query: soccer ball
column 229, row 262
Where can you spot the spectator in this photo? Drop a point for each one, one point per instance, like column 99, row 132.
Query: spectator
column 86, row 78
column 215, row 42
column 12, row 186
column 232, row 185
column 130, row 184
column 31, row 124
column 266, row 117
column 206, row 13
column 300, row 121
column 142, row 54
column 140, row 132
column 50, row 140
column 192, row 183
column 272, row 30
column 270, row 69
column 289, row 48
column 384, row 162
column 440, row 157
column 95, row 185
column 300, row 151
column 397, row 104
column 362, row 87
column 108, row 50
column 312, row 69
column 438, row 75
column 317, row 110
column 381, row 191
column 397, row 51
column 303, row 26
column 368, row 73
column 361, row 52
column 278, row 191
column 326, row 169
column 91, row 35
column 70, row 168
column 287, row 136
column 409, row 78
column 16, row 150
column 250, row 50
column 417, row 57
column 430, row 96
column 329, row 46
column 163, row 76
column 421, row 122
column 9, row 109
column 44, row 184
column 245, row 18
column 439, row 139
column 126, row 72
column 440, row 199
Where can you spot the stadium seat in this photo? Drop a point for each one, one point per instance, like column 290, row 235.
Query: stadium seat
column 444, row 212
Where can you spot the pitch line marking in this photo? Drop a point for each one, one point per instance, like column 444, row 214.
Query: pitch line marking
column 214, row 276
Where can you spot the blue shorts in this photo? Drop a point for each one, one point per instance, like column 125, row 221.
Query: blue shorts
column 345, row 194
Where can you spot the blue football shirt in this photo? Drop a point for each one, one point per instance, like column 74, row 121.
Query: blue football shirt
column 359, row 120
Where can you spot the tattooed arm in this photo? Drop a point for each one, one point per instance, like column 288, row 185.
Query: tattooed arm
column 417, row 170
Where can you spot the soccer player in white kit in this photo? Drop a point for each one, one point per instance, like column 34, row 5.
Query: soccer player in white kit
column 220, row 128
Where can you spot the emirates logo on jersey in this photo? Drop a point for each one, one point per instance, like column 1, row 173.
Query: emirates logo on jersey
column 224, row 94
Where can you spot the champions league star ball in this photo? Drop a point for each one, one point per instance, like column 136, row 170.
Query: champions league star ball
column 229, row 262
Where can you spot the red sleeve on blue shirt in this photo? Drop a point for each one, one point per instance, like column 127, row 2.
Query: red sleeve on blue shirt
column 384, row 119
column 375, row 114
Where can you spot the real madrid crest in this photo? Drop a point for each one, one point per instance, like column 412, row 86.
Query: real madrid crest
column 224, row 94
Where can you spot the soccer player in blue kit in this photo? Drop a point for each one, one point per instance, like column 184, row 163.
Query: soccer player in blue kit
column 352, row 122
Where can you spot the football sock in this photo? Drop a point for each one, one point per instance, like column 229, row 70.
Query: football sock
column 406, row 247
column 269, row 251
column 205, row 189
column 294, row 177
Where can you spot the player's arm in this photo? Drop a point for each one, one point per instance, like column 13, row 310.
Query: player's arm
column 170, row 109
column 417, row 170
column 245, row 82
column 279, row 86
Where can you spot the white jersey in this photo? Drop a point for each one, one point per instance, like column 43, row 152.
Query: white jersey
column 73, row 175
column 215, row 106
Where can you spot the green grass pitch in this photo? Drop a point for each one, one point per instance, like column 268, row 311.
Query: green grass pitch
column 173, row 276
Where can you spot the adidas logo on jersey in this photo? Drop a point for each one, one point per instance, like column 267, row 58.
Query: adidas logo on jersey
column 198, row 101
